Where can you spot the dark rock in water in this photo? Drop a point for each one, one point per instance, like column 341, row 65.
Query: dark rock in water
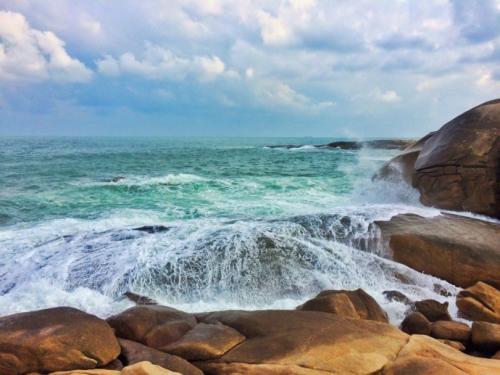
column 460, row 250
column 134, row 352
column 153, row 228
column 140, row 300
column 388, row 144
column 355, row 304
column 433, row 310
column 117, row 179
column 56, row 339
column 395, row 295
column 416, row 324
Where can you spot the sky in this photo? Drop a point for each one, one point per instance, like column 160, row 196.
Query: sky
column 332, row 68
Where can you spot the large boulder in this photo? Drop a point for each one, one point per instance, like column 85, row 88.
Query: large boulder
column 433, row 310
column 355, row 304
column 457, row 249
column 450, row 330
column 416, row 323
column 486, row 336
column 480, row 302
column 55, row 339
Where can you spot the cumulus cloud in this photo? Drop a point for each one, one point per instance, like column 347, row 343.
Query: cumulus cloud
column 27, row 54
column 161, row 63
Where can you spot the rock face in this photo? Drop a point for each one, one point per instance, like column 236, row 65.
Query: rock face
column 480, row 302
column 459, row 250
column 55, row 339
column 356, row 304
column 457, row 167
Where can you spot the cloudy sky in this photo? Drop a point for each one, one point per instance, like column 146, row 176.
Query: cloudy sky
column 341, row 68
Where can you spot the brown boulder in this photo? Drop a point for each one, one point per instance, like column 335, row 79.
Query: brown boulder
column 449, row 330
column 457, row 168
column 152, row 325
column 146, row 368
column 433, row 310
column 457, row 249
column 134, row 352
column 486, row 335
column 205, row 341
column 454, row 344
column 416, row 323
column 480, row 302
column 356, row 304
column 55, row 339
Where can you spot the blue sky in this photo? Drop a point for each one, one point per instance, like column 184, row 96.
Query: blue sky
column 244, row 68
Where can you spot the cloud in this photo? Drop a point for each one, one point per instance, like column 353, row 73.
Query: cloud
column 477, row 20
column 161, row 63
column 389, row 96
column 27, row 54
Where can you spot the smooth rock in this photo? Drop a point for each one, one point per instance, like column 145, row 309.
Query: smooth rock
column 454, row 344
column 457, row 249
column 146, row 368
column 480, row 302
column 356, row 304
column 486, row 335
column 205, row 341
column 55, row 339
column 395, row 295
column 433, row 310
column 134, row 352
column 416, row 323
column 450, row 330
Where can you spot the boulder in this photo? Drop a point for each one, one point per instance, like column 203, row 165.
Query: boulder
column 449, row 330
column 457, row 249
column 55, row 339
column 355, row 304
column 205, row 341
column 134, row 352
column 152, row 325
column 480, row 302
column 454, row 344
column 416, row 323
column 486, row 336
column 395, row 295
column 433, row 310
column 146, row 368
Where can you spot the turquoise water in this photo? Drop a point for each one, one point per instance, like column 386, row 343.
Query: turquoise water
column 242, row 225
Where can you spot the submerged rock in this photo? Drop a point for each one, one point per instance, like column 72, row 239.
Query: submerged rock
column 139, row 300
column 480, row 302
column 55, row 339
column 153, row 229
column 457, row 249
column 356, row 304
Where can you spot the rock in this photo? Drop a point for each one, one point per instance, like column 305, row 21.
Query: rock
column 457, row 249
column 356, row 304
column 496, row 356
column 115, row 364
column 480, row 302
column 55, row 339
column 388, row 144
column 152, row 325
column 457, row 168
column 454, row 344
column 394, row 295
column 146, row 368
column 151, row 229
column 486, row 335
column 449, row 330
column 205, row 341
column 423, row 355
column 139, row 300
column 134, row 352
column 433, row 310
column 416, row 323
column 117, row 179
column 87, row 372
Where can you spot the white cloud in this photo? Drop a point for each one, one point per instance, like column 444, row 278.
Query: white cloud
column 161, row 63
column 27, row 54
column 389, row 96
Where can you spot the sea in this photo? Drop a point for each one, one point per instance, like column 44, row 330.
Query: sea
column 199, row 224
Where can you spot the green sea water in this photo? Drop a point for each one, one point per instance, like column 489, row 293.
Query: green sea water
column 244, row 225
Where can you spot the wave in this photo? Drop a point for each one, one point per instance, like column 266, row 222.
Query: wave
column 169, row 179
column 205, row 264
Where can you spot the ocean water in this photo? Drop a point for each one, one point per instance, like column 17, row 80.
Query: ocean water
column 238, row 225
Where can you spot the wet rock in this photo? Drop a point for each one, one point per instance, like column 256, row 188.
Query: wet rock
column 480, row 302
column 205, row 341
column 457, row 249
column 450, row 330
column 139, row 300
column 416, row 323
column 486, row 336
column 433, row 310
column 141, row 323
column 395, row 295
column 134, row 352
column 55, row 339
column 356, row 304
column 153, row 229
column 117, row 179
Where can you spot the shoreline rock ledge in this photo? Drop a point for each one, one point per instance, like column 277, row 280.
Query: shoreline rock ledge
column 458, row 166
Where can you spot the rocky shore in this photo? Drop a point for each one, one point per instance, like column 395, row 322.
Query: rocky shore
column 338, row 331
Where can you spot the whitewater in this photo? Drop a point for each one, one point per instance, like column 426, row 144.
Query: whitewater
column 197, row 224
